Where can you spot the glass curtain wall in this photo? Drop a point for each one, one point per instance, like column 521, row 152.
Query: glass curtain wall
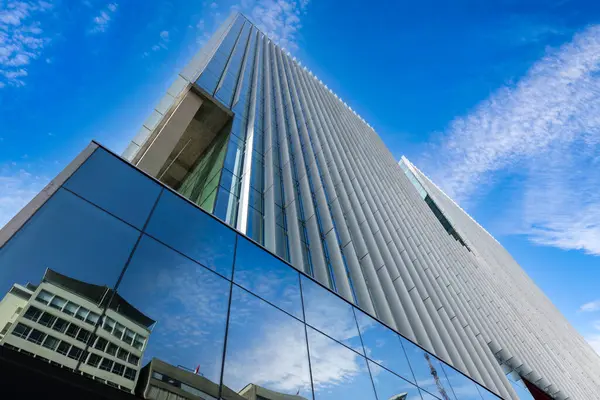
column 230, row 319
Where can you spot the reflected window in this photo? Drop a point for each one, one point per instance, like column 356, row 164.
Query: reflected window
column 383, row 345
column 44, row 297
column 187, row 301
column 425, row 368
column 267, row 277
column 331, row 315
column 390, row 386
column 266, row 350
column 116, row 187
column 337, row 372
column 462, row 387
column 73, row 238
column 194, row 233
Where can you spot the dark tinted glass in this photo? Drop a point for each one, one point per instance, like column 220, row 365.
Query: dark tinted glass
column 424, row 367
column 462, row 387
column 267, row 277
column 188, row 303
column 265, row 348
column 71, row 237
column 116, row 187
column 330, row 314
column 193, row 232
column 383, row 345
column 338, row 372
column 390, row 386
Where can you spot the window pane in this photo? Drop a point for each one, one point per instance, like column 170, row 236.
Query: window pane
column 32, row 313
column 338, row 372
column 390, row 386
column 71, row 237
column 383, row 345
column 424, row 366
column 193, row 232
column 463, row 387
column 267, row 277
column 70, row 308
column 44, row 297
column 265, row 348
column 116, row 187
column 47, row 319
column 58, row 302
column 187, row 301
column 60, row 325
column 50, row 342
column 330, row 314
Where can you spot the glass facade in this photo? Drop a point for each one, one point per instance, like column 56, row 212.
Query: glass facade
column 230, row 319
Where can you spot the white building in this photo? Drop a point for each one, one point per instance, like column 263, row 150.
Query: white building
column 78, row 326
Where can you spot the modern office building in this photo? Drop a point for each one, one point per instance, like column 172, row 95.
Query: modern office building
column 282, row 249
column 56, row 321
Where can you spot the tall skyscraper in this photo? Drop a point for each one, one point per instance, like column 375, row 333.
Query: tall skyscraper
column 362, row 280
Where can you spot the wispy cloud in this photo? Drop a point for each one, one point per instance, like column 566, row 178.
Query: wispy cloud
column 101, row 21
column 590, row 307
column 21, row 39
column 17, row 187
column 279, row 19
column 545, row 131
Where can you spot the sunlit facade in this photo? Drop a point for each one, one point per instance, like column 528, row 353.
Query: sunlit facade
column 284, row 254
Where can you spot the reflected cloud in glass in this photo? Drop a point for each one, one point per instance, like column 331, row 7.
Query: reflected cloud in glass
column 69, row 236
column 189, row 303
column 194, row 233
column 267, row 277
column 383, row 345
column 390, row 386
column 265, row 347
column 330, row 314
column 338, row 372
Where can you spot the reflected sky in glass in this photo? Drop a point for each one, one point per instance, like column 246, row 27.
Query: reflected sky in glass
column 72, row 237
column 390, row 386
column 331, row 315
column 462, row 387
column 421, row 363
column 265, row 347
column 383, row 345
column 267, row 277
column 187, row 301
column 427, row 396
column 338, row 372
column 116, row 187
column 194, row 233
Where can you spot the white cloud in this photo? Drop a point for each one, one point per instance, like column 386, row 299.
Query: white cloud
column 594, row 341
column 17, row 188
column 543, row 133
column 590, row 307
column 21, row 39
column 102, row 20
column 279, row 19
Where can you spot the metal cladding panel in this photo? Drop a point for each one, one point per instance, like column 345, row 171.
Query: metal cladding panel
column 331, row 199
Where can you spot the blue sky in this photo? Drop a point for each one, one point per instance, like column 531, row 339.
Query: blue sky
column 496, row 101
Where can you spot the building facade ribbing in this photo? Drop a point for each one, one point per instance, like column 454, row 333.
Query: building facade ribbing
column 301, row 173
column 249, row 135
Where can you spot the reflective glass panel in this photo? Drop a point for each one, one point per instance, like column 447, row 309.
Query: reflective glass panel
column 267, row 277
column 330, row 314
column 337, row 372
column 116, row 187
column 383, row 345
column 425, row 367
column 191, row 231
column 186, row 302
column 266, row 350
column 69, row 236
column 390, row 386
column 462, row 387
column 427, row 396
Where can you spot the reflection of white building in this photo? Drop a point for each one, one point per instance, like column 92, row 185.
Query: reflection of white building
column 59, row 321
column 255, row 392
column 160, row 380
